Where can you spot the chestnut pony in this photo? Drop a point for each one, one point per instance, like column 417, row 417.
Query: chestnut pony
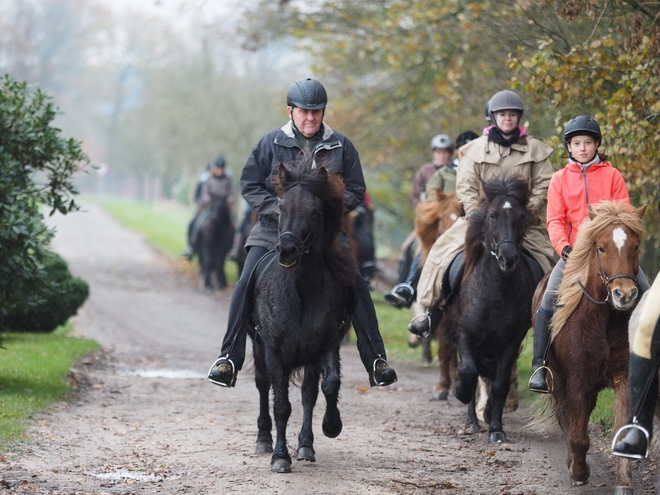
column 589, row 328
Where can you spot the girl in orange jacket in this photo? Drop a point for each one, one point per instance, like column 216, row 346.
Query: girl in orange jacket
column 587, row 179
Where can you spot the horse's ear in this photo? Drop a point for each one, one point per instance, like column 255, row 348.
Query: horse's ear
column 641, row 210
column 283, row 173
column 592, row 213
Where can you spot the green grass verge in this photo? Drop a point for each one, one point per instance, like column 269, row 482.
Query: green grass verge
column 164, row 225
column 33, row 370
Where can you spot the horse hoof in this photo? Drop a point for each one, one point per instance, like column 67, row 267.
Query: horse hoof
column 623, row 490
column 497, row 437
column 280, row 466
column 472, row 428
column 440, row 395
column 579, row 482
column 264, row 447
column 306, row 454
column 331, row 430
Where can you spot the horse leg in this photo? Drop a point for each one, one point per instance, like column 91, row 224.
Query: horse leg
column 466, row 384
column 622, row 469
column 483, row 391
column 580, row 405
column 264, row 422
column 471, row 422
column 281, row 461
column 512, row 398
column 332, row 424
column 446, row 364
column 427, row 357
column 220, row 273
column 309, row 392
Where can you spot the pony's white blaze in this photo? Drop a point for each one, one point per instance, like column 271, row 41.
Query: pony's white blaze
column 453, row 216
column 619, row 237
column 506, row 205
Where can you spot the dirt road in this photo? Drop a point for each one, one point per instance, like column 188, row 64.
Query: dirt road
column 146, row 421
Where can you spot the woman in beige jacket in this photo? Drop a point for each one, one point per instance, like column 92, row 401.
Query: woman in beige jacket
column 504, row 149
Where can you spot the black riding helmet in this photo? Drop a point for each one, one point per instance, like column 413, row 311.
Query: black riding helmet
column 582, row 126
column 307, row 93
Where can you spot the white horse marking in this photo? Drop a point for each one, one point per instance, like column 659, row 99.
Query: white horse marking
column 619, row 237
column 506, row 205
column 453, row 216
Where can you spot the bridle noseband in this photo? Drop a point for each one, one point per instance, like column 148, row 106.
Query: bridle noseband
column 495, row 247
column 303, row 246
column 606, row 281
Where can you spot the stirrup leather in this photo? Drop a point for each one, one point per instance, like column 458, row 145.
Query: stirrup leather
column 549, row 379
column 626, row 428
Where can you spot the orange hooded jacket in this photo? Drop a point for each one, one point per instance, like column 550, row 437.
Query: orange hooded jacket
column 569, row 193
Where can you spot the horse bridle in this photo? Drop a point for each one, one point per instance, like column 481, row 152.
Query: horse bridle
column 605, row 279
column 495, row 247
column 303, row 245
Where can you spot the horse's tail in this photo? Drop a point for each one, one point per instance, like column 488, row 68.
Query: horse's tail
column 543, row 418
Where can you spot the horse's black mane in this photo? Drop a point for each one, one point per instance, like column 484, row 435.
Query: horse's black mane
column 515, row 186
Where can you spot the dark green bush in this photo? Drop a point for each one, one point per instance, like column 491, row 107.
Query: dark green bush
column 61, row 296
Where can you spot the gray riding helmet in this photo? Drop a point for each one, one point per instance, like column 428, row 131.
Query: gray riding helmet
column 505, row 100
column 217, row 162
column 443, row 142
column 307, row 93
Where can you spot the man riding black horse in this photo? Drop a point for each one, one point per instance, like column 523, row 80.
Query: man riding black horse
column 306, row 102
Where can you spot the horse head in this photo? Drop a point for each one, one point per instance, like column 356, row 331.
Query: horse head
column 615, row 251
column 311, row 207
column 506, row 219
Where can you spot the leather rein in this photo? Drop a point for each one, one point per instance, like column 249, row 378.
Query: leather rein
column 606, row 281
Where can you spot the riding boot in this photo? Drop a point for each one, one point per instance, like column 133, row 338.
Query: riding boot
column 224, row 369
column 633, row 439
column 369, row 341
column 403, row 294
column 423, row 325
column 538, row 380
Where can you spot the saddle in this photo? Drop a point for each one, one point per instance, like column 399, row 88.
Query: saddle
column 255, row 275
column 451, row 280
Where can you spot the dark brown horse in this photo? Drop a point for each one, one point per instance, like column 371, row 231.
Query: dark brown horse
column 590, row 329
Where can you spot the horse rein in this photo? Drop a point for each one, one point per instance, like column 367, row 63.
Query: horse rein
column 606, row 281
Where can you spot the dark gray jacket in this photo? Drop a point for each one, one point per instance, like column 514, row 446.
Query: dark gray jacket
column 335, row 152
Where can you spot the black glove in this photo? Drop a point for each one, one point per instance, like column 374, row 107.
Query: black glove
column 566, row 251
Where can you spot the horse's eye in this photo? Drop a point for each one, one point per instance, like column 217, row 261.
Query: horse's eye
column 636, row 248
column 601, row 250
column 492, row 216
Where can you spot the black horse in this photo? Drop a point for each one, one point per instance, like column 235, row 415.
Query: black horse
column 214, row 240
column 301, row 309
column 492, row 313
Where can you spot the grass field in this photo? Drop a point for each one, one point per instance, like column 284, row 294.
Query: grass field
column 33, row 371
column 164, row 225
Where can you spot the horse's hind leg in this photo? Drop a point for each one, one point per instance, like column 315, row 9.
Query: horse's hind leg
column 281, row 461
column 332, row 424
column 309, row 392
column 264, row 422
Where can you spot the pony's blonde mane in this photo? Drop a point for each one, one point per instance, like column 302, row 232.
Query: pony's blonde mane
column 579, row 262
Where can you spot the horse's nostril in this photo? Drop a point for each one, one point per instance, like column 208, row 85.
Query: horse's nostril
column 617, row 293
column 633, row 293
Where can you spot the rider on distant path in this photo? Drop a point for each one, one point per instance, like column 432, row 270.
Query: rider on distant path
column 214, row 184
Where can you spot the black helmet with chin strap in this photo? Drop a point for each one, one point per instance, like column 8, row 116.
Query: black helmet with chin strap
column 582, row 126
column 217, row 162
column 307, row 93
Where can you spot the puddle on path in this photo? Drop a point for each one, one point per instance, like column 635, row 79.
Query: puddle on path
column 164, row 373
